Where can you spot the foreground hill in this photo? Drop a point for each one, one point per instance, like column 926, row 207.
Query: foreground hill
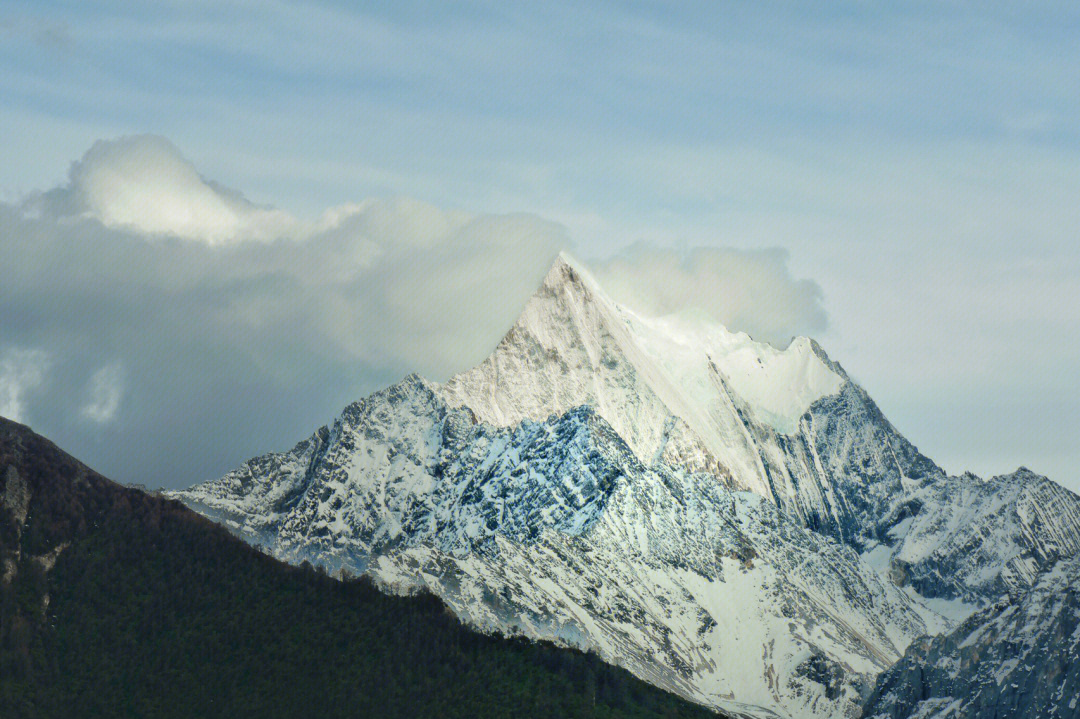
column 116, row 603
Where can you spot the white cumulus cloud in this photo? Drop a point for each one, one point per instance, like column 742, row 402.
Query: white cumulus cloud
column 143, row 183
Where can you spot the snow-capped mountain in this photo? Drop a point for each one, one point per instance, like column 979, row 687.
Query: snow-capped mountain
column 557, row 530
column 787, row 424
column 679, row 392
column 1019, row 657
column 731, row 521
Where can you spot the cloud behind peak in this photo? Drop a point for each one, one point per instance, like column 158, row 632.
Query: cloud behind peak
column 171, row 361
column 144, row 184
column 751, row 291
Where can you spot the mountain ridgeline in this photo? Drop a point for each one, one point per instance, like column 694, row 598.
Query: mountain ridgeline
column 115, row 603
column 732, row 522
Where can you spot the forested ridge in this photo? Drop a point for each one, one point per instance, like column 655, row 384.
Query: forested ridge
column 119, row 603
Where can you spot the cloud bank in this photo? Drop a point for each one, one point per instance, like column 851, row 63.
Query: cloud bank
column 165, row 328
column 748, row 290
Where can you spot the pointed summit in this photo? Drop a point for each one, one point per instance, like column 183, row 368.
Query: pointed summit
column 567, row 274
column 668, row 386
column 565, row 265
column 563, row 269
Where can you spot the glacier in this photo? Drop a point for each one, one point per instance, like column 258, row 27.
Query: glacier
column 731, row 521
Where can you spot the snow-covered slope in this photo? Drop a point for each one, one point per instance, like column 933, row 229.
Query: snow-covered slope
column 731, row 521
column 1019, row 657
column 974, row 539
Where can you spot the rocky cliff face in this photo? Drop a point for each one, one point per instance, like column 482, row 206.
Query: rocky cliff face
column 733, row 522
column 1019, row 657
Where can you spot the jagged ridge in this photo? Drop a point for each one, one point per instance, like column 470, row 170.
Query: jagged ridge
column 1019, row 657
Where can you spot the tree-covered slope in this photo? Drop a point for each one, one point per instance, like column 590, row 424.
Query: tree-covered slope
column 116, row 603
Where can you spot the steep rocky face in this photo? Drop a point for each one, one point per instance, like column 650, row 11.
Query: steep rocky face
column 673, row 390
column 556, row 530
column 1019, row 657
column 951, row 538
column 665, row 492
column 973, row 539
column 693, row 395
column 400, row 468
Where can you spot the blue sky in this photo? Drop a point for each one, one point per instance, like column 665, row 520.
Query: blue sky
column 521, row 102
column 918, row 161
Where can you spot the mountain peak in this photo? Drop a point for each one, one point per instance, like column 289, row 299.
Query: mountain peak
column 566, row 273
column 669, row 386
column 565, row 260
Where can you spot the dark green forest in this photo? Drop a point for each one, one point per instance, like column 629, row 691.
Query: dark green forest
column 154, row 612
